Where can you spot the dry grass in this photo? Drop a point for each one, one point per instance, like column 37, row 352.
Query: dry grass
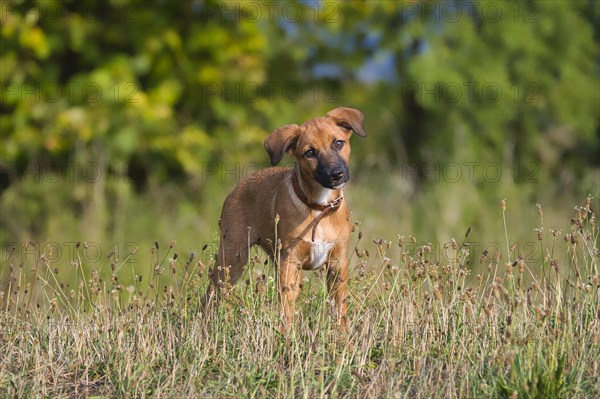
column 423, row 324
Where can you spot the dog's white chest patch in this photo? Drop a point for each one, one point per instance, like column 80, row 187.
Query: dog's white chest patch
column 319, row 253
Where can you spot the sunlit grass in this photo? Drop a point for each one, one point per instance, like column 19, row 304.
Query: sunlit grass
column 461, row 321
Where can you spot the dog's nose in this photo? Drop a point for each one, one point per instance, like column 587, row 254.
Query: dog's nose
column 337, row 175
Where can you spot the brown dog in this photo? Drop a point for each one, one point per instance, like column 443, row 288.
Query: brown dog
column 297, row 214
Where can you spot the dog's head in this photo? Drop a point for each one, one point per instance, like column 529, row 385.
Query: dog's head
column 321, row 145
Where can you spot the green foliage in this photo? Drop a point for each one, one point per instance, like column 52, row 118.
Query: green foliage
column 541, row 381
column 158, row 93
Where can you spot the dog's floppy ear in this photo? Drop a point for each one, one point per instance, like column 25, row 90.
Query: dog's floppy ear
column 349, row 118
column 281, row 141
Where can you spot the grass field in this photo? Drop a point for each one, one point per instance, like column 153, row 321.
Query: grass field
column 455, row 322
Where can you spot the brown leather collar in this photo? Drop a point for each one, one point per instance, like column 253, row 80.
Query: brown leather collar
column 325, row 209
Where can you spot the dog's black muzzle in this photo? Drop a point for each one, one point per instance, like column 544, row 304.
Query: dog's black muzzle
column 333, row 175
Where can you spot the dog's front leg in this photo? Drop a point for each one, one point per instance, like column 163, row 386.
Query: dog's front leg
column 337, row 284
column 290, row 274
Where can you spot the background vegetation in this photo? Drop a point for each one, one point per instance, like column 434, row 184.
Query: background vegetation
column 125, row 123
column 128, row 122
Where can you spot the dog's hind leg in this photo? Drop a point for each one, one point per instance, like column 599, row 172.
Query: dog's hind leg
column 231, row 260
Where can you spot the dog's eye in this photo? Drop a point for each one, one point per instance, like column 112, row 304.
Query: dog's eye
column 338, row 144
column 309, row 153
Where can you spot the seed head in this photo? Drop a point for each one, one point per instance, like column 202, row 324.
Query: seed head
column 483, row 256
column 554, row 264
column 503, row 204
column 586, row 207
column 358, row 253
column 360, row 269
column 496, row 257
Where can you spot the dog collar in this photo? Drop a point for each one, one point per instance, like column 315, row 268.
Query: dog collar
column 324, row 208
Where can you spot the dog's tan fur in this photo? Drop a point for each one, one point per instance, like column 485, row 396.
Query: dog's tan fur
column 264, row 210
